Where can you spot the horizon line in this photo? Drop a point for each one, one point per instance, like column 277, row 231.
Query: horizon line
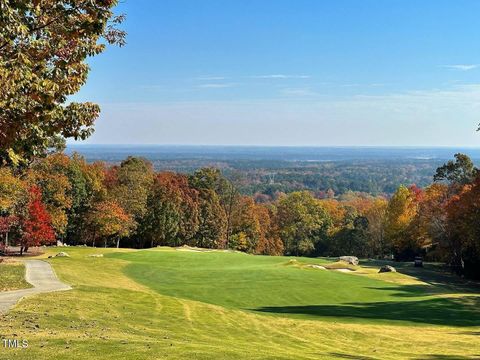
column 277, row 146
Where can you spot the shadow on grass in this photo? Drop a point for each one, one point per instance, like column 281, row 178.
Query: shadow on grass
column 437, row 311
column 472, row 333
column 446, row 357
column 348, row 356
column 432, row 274
column 414, row 290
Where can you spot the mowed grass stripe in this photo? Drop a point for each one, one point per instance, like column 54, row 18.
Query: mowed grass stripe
column 110, row 316
column 270, row 285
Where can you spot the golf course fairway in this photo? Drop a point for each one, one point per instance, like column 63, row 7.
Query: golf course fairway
column 170, row 304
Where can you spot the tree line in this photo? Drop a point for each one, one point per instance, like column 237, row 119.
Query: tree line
column 65, row 198
column 43, row 51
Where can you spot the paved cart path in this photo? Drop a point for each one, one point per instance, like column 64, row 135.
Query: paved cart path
column 41, row 275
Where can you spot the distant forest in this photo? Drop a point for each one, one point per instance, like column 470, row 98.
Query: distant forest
column 269, row 177
column 270, row 171
column 373, row 177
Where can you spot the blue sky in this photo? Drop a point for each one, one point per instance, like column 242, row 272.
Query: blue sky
column 297, row 72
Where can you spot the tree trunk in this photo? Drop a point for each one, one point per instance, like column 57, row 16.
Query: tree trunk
column 118, row 242
column 231, row 201
column 105, row 242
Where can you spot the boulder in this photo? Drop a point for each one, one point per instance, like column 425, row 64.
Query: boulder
column 387, row 268
column 352, row 260
column 62, row 254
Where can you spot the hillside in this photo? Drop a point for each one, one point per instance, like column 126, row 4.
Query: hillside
column 203, row 305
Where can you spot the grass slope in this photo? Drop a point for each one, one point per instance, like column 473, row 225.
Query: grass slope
column 111, row 315
column 272, row 285
column 12, row 276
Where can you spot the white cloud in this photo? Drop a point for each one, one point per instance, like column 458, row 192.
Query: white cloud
column 211, row 78
column 363, row 85
column 280, row 76
column 216, row 85
column 299, row 92
column 462, row 67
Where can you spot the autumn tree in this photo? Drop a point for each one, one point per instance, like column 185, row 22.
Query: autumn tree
column 37, row 225
column 11, row 190
column 269, row 241
column 110, row 222
column 49, row 175
column 337, row 213
column 376, row 216
column 13, row 195
column 172, row 216
column 303, row 222
column 463, row 230
column 87, row 188
column 131, row 186
column 245, row 225
column 43, row 50
column 429, row 225
column 401, row 211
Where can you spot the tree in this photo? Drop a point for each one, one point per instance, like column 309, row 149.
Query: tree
column 230, row 196
column 269, row 241
column 401, row 210
column 212, row 219
column 337, row 213
column 376, row 227
column 245, row 225
column 303, row 222
column 87, row 188
column 172, row 215
column 110, row 221
column 458, row 172
column 134, row 177
column 49, row 175
column 6, row 224
column 13, row 196
column 463, row 230
column 429, row 224
column 12, row 189
column 351, row 239
column 37, row 225
column 43, row 50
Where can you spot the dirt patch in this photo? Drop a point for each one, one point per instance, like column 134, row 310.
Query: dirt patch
column 319, row 267
column 194, row 249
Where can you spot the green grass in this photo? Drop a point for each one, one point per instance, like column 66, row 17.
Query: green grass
column 12, row 276
column 265, row 284
column 167, row 304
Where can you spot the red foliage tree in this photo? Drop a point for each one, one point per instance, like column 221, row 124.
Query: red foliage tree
column 37, row 225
